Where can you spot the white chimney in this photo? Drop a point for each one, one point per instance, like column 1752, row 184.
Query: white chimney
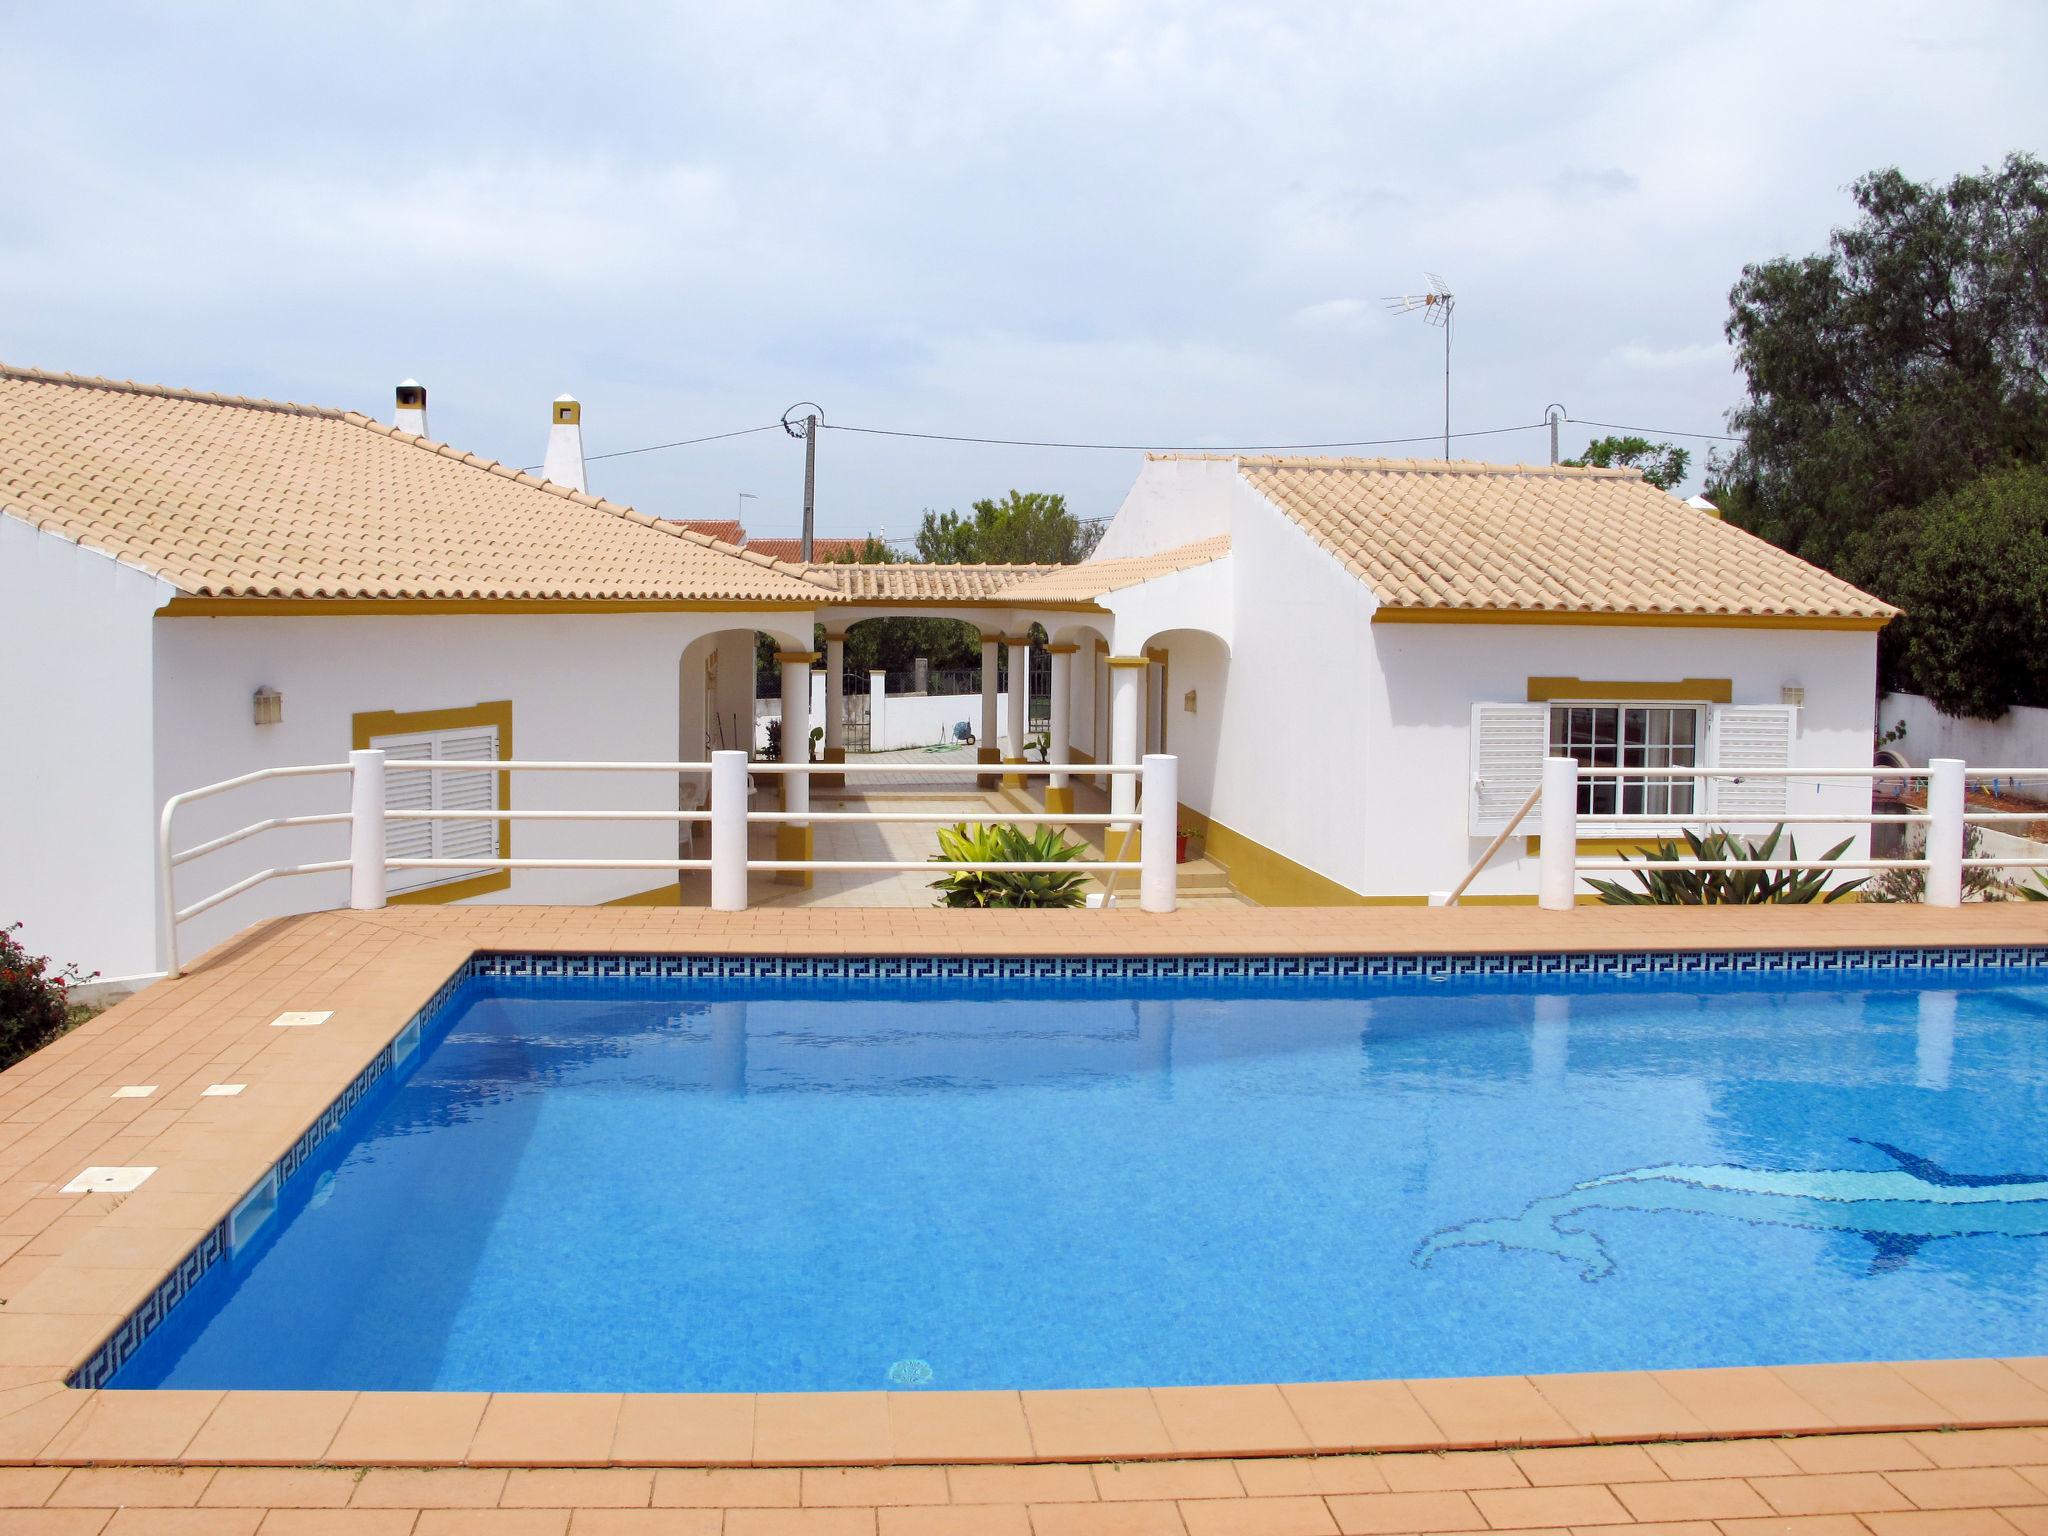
column 411, row 413
column 564, row 463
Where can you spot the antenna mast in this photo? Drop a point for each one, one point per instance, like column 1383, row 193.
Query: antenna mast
column 1435, row 304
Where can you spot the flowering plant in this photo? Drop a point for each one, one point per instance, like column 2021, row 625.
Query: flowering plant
column 35, row 1000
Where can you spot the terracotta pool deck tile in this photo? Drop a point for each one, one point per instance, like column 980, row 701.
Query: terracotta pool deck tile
column 798, row 1429
column 1383, row 1514
column 1719, row 1498
column 797, row 1522
column 1854, row 1453
column 72, row 1288
column 848, row 1487
column 1966, row 1487
column 1128, row 1519
column 113, row 1487
column 1361, row 1415
column 1829, row 1493
column 1451, row 1471
column 1865, row 1396
column 1227, row 1421
column 646, row 1522
column 1947, row 1522
column 58, row 1522
column 1982, row 1447
column 1605, row 1404
column 958, row 1426
column 136, row 1427
column 52, row 1339
column 1492, row 1410
column 429, row 1488
column 1575, row 1505
column 950, row 1520
column 27, row 1428
column 717, row 1487
column 569, row 1487
column 545, row 1428
column 409, row 1428
column 184, row 1522
column 1049, row 1483
column 682, row 1429
column 285, row 1487
column 277, row 1428
column 1549, row 1467
column 1299, row 1515
column 1269, row 1475
column 1693, row 1460
column 1179, row 1480
column 1116, row 1424
column 1978, row 1391
column 491, row 1522
column 338, row 1522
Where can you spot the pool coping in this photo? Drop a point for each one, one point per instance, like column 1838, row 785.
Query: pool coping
column 72, row 1268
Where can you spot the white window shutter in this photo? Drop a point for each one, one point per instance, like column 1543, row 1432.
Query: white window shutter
column 468, row 792
column 1751, row 736
column 1508, row 746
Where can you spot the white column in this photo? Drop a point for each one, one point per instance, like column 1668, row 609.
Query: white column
column 1018, row 681
column 793, row 838
column 1059, row 796
column 1557, row 875
column 1158, row 844
column 988, row 751
column 729, row 831
column 835, row 698
column 1155, row 705
column 1945, row 832
column 366, row 830
column 878, row 696
column 1126, row 703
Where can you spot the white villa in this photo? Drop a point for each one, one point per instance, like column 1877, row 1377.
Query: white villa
column 1360, row 664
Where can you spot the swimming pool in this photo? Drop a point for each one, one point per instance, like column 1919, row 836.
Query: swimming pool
column 646, row 1175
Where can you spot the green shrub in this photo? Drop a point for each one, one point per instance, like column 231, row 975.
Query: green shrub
column 35, row 1001
column 1002, row 843
column 1720, row 887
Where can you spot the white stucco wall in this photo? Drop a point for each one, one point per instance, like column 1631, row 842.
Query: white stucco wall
column 586, row 687
column 1426, row 677
column 2018, row 739
column 75, row 631
column 1174, row 501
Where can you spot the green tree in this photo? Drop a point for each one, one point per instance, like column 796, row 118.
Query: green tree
column 1971, row 571
column 1662, row 464
column 1895, row 367
column 1024, row 528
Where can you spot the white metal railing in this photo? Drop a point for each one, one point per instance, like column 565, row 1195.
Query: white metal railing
column 1144, row 797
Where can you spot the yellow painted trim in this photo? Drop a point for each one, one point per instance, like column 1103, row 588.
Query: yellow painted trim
column 1014, row 641
column 406, row 607
column 793, row 843
column 1101, row 646
column 1627, row 620
column 1130, row 661
column 1607, row 847
column 1156, row 653
column 1076, row 755
column 669, row 895
column 1063, row 648
column 366, row 724
column 1059, row 799
column 795, row 658
column 1687, row 690
column 840, row 637
column 569, row 412
column 1272, row 879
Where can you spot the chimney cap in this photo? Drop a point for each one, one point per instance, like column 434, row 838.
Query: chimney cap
column 567, row 409
column 412, row 395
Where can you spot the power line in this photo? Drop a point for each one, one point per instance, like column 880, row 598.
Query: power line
column 687, row 442
column 1024, row 442
column 1612, row 426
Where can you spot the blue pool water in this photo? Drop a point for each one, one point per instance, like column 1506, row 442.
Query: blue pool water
column 681, row 1185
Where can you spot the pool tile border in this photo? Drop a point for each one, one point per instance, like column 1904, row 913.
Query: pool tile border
column 100, row 1368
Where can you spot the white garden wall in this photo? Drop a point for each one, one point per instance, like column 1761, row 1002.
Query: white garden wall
column 75, row 629
column 2019, row 739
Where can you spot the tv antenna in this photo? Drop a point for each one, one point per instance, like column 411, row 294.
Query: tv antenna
column 1435, row 305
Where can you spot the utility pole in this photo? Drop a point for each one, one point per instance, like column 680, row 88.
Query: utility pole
column 810, row 482
column 1554, row 414
column 806, row 427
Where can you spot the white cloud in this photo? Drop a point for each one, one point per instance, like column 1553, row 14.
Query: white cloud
column 1636, row 356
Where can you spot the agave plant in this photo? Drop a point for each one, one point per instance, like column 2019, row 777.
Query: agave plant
column 1683, row 887
column 1001, row 843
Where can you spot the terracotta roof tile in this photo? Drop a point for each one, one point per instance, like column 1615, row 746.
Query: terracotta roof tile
column 1092, row 579
column 1541, row 538
column 911, row 582
column 227, row 497
column 822, row 550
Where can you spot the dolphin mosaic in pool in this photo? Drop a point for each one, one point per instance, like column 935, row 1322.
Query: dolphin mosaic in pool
column 1897, row 1210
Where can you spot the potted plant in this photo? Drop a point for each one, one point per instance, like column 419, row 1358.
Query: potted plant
column 1187, row 843
column 817, row 736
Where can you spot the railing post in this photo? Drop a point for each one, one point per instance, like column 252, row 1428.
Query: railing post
column 1557, row 872
column 366, row 830
column 167, row 896
column 728, row 831
column 1945, row 832
column 1158, row 832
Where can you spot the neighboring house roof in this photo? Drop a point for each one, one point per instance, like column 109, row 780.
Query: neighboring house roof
column 906, row 582
column 793, row 549
column 1094, row 579
column 228, row 497
column 725, row 530
column 1435, row 539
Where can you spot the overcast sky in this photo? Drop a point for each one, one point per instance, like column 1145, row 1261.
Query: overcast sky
column 1110, row 222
